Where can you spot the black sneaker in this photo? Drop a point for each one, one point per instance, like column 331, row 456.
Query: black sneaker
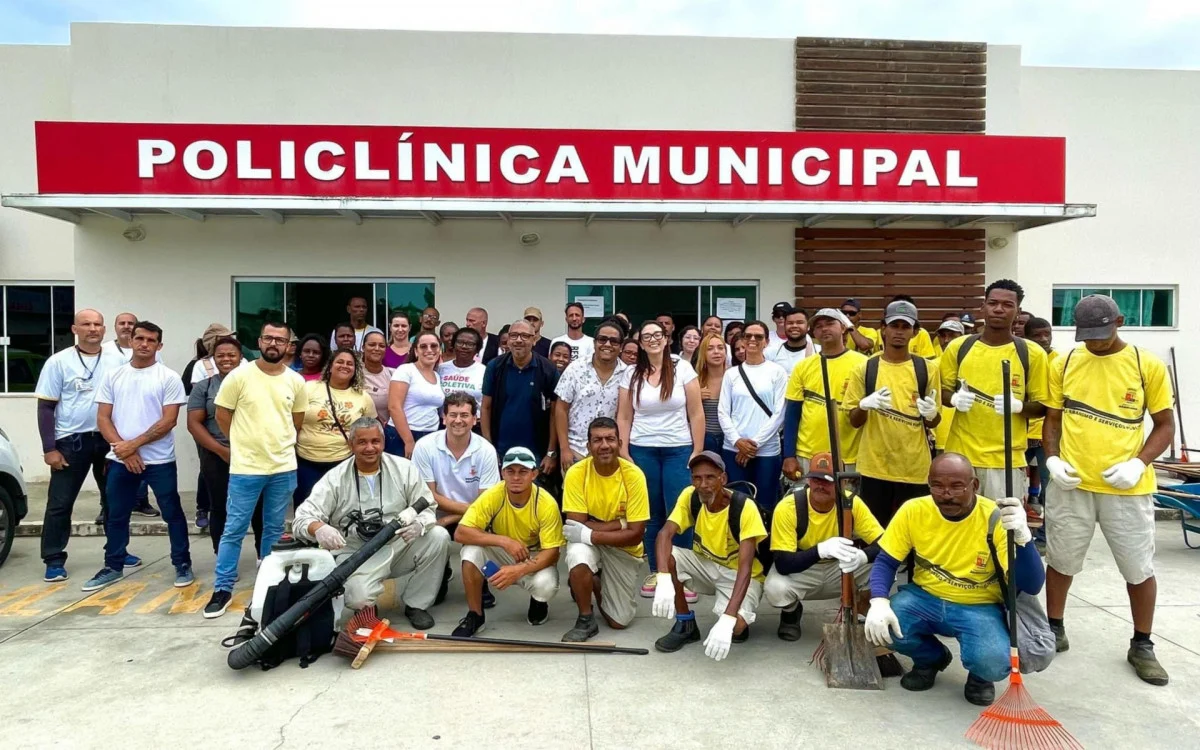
column 889, row 665
column 789, row 624
column 217, row 604
column 489, row 599
column 538, row 612
column 683, row 633
column 1060, row 638
column 741, row 637
column 202, row 519
column 101, row 519
column 444, row 588
column 145, row 509
column 1145, row 663
column 469, row 625
column 921, row 678
column 585, row 628
column 419, row 618
column 979, row 691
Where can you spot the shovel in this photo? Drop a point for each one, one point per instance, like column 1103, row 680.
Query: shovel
column 846, row 657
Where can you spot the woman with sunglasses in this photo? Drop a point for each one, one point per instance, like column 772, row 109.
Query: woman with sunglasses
column 331, row 406
column 464, row 373
column 662, row 426
column 415, row 395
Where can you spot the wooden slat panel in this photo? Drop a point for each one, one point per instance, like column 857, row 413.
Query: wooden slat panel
column 963, row 233
column 861, row 291
column 890, row 244
column 889, row 44
column 875, row 100
column 891, row 66
column 919, row 269
column 886, row 278
column 914, row 55
column 888, row 111
column 934, row 79
column 949, row 257
column 893, row 125
column 817, row 300
column 806, row 87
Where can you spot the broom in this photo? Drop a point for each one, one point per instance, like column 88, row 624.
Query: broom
column 1016, row 722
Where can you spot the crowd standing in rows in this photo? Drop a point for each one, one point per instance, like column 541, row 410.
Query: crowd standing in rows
column 659, row 463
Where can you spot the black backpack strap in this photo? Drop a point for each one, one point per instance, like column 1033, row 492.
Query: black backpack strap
column 921, row 370
column 1022, row 347
column 694, row 507
column 801, row 503
column 965, row 349
column 992, row 521
column 754, row 393
column 872, row 374
column 736, row 504
column 304, row 632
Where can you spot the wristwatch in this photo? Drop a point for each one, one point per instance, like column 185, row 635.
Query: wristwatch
column 551, row 454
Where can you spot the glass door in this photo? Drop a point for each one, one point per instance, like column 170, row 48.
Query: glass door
column 688, row 302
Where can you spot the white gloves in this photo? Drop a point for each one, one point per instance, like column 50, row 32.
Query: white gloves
column 882, row 622
column 407, row 516
column 927, row 407
column 880, row 399
column 411, row 531
column 1012, row 518
column 1126, row 474
column 1064, row 473
column 664, row 597
column 329, row 538
column 962, row 399
column 853, row 561
column 575, row 531
column 998, row 404
column 838, row 548
column 716, row 645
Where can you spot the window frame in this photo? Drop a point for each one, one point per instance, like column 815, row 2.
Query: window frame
column 1172, row 288
column 4, row 336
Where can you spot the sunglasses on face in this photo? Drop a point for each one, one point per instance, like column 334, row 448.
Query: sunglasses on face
column 753, row 336
column 608, row 340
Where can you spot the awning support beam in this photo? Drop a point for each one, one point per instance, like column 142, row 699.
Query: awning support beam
column 507, row 217
column 883, row 221
column 354, row 216
column 432, row 217
column 587, row 222
column 113, row 213
column 740, row 220
column 186, row 213
column 663, row 220
column 814, row 219
column 271, row 214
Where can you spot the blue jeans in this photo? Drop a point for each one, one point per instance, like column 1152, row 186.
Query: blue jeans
column 713, row 441
column 391, row 441
column 667, row 475
column 122, row 490
column 308, row 473
column 979, row 628
column 763, row 472
column 244, row 490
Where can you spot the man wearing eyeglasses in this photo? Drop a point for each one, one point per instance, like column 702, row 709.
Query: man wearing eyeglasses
column 260, row 407
column 588, row 389
column 518, row 394
column 859, row 337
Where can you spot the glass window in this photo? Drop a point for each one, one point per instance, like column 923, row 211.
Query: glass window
column 604, row 291
column 408, row 297
column 256, row 302
column 1141, row 307
column 687, row 302
column 37, row 322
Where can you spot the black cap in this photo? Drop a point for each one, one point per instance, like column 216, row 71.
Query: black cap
column 781, row 310
column 1096, row 317
column 852, row 303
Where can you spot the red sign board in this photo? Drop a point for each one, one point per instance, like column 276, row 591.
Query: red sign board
column 94, row 158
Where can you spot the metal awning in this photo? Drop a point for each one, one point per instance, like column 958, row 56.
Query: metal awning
column 127, row 208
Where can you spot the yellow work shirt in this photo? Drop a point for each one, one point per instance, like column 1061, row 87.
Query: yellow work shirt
column 942, row 431
column 953, row 561
column 321, row 439
column 978, row 433
column 620, row 495
column 821, row 526
column 894, row 446
column 922, row 345
column 713, row 540
column 263, row 435
column 1035, row 425
column 494, row 512
column 807, row 386
column 1103, row 401
column 871, row 334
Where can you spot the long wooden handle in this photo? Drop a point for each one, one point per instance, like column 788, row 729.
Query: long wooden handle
column 377, row 634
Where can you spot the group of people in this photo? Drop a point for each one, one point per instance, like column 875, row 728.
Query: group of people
column 660, row 465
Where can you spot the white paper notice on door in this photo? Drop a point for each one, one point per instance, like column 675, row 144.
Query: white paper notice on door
column 593, row 307
column 731, row 308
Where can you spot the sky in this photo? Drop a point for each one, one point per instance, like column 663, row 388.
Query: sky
column 1080, row 33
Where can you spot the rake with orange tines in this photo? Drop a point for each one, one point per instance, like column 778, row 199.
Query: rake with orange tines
column 1016, row 722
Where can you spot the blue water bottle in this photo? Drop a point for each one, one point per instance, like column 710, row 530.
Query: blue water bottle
column 490, row 568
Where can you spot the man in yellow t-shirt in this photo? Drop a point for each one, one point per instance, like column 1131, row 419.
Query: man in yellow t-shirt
column 894, row 415
column 515, row 526
column 721, row 561
column 974, row 386
column 859, row 338
column 956, row 584
column 260, row 407
column 805, row 423
column 810, row 565
column 947, row 332
column 607, row 506
column 1099, row 455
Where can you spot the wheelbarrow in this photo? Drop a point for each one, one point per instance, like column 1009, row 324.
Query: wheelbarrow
column 1186, row 499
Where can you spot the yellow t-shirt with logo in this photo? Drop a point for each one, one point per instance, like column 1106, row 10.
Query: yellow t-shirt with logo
column 1103, row 401
column 536, row 532
column 713, row 540
column 942, row 431
column 821, row 526
column 620, row 495
column 894, row 445
column 922, row 345
column 263, row 439
column 807, row 386
column 1035, row 425
column 320, row 438
column 953, row 561
column 871, row 334
column 978, row 434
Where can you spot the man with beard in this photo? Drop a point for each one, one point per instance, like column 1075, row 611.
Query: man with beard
column 580, row 343
column 587, row 390
column 796, row 344
column 260, row 408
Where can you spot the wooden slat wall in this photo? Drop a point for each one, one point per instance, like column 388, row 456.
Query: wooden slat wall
column 885, row 84
column 942, row 269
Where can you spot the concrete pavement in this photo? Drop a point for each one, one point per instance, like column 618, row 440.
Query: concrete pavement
column 136, row 666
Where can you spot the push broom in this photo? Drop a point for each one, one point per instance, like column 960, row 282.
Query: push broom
column 1016, row 722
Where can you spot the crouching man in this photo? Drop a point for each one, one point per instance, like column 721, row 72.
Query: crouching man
column 721, row 561
column 350, row 503
column 607, row 506
column 955, row 589
column 810, row 556
column 516, row 529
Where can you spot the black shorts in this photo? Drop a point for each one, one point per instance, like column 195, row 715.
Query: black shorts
column 885, row 497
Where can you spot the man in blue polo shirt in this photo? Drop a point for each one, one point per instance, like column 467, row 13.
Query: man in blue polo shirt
column 518, row 392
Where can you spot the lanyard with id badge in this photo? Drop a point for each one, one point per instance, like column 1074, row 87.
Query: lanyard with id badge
column 82, row 384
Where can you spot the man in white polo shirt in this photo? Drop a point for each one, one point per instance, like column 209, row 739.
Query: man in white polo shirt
column 458, row 465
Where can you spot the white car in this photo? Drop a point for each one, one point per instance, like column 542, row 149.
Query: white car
column 13, row 501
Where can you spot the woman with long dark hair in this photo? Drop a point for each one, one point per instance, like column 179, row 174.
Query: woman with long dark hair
column 331, row 406
column 415, row 395
column 312, row 354
column 661, row 422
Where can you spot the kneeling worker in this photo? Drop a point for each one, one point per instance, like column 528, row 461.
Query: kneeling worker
column 516, row 526
column 810, row 557
column 722, row 561
column 359, row 495
column 955, row 590
column 607, row 507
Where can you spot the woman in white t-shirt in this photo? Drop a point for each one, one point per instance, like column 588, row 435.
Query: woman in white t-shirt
column 662, row 426
column 751, row 419
column 415, row 396
column 463, row 374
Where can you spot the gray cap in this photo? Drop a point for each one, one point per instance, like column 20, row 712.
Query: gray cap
column 1095, row 317
column 711, row 457
column 900, row 310
column 952, row 325
column 830, row 312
